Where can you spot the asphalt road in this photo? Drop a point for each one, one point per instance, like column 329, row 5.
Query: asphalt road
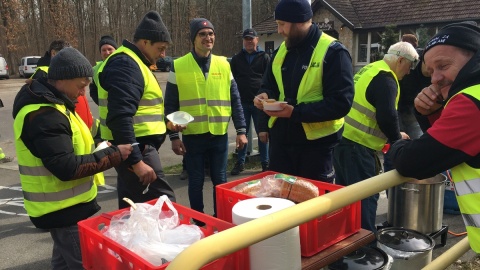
column 22, row 246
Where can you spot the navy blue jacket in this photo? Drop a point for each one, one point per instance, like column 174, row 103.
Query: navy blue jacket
column 338, row 91
column 123, row 80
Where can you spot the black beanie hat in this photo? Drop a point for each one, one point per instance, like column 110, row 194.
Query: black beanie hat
column 107, row 40
column 152, row 28
column 69, row 64
column 465, row 35
column 197, row 24
column 293, row 11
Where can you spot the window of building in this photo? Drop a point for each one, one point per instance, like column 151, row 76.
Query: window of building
column 269, row 47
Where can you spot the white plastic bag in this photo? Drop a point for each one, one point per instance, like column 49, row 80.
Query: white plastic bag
column 151, row 233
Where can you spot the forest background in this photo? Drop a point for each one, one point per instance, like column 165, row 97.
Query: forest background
column 28, row 26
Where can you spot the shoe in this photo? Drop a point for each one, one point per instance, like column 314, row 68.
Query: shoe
column 184, row 175
column 264, row 167
column 6, row 159
column 238, row 168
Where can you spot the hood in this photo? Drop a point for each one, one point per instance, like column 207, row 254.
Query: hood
column 44, row 61
column 469, row 75
column 39, row 92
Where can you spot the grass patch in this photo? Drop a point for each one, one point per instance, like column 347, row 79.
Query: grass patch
column 253, row 164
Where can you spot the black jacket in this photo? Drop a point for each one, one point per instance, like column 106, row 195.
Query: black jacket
column 48, row 135
column 123, row 80
column 337, row 79
column 248, row 76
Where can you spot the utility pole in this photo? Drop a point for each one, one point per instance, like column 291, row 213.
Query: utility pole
column 247, row 23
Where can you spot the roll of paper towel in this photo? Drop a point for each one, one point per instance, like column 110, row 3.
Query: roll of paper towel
column 278, row 252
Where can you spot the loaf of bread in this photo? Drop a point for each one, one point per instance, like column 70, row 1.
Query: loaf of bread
column 251, row 188
column 298, row 190
column 280, row 186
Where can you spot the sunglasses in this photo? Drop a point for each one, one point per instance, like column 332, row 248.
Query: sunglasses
column 205, row 34
column 406, row 56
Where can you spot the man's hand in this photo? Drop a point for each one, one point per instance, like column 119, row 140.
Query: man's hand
column 241, row 141
column 404, row 136
column 125, row 150
column 427, row 101
column 178, row 147
column 258, row 100
column 144, row 172
column 176, row 128
column 263, row 137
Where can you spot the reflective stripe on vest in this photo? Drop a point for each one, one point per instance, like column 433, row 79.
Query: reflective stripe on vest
column 310, row 88
column 206, row 99
column 43, row 68
column 360, row 123
column 43, row 192
column 467, row 187
column 149, row 118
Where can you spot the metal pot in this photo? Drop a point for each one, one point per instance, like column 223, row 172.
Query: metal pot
column 408, row 248
column 364, row 258
column 417, row 204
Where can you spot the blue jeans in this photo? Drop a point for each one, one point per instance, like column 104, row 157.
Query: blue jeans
column 354, row 163
column 250, row 111
column 199, row 147
column 66, row 252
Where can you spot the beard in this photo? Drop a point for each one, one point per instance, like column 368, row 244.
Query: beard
column 295, row 37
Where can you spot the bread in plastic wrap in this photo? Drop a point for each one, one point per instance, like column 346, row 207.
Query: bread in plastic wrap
column 280, row 186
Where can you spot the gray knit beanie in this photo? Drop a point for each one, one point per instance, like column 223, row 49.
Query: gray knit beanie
column 69, row 64
column 152, row 28
column 198, row 24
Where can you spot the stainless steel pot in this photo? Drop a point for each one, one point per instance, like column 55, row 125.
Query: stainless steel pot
column 408, row 248
column 364, row 258
column 417, row 205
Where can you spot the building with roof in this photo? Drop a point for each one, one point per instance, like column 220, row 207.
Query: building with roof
column 359, row 24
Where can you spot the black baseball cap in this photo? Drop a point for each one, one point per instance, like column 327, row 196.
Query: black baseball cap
column 249, row 32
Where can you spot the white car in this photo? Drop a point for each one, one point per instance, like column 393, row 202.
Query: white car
column 3, row 69
column 28, row 65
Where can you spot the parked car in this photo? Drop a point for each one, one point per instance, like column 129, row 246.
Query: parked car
column 3, row 69
column 28, row 65
column 165, row 64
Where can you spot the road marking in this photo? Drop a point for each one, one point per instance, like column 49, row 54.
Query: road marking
column 12, row 213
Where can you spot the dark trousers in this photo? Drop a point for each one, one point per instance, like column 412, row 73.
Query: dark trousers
column 250, row 111
column 353, row 163
column 199, row 147
column 128, row 184
column 312, row 161
column 66, row 252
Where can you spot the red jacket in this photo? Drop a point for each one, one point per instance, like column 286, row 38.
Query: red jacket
column 83, row 111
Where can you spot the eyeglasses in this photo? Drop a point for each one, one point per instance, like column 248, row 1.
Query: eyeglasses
column 406, row 56
column 205, row 34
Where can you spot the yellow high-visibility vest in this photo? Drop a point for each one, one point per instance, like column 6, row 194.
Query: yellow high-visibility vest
column 467, row 189
column 43, row 192
column 206, row 99
column 310, row 88
column 360, row 123
column 149, row 118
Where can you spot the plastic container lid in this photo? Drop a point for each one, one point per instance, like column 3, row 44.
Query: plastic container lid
column 180, row 118
column 365, row 258
column 405, row 239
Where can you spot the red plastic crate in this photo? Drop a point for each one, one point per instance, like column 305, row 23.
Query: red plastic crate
column 101, row 252
column 315, row 235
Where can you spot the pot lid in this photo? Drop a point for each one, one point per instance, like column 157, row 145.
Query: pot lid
column 365, row 258
column 405, row 239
